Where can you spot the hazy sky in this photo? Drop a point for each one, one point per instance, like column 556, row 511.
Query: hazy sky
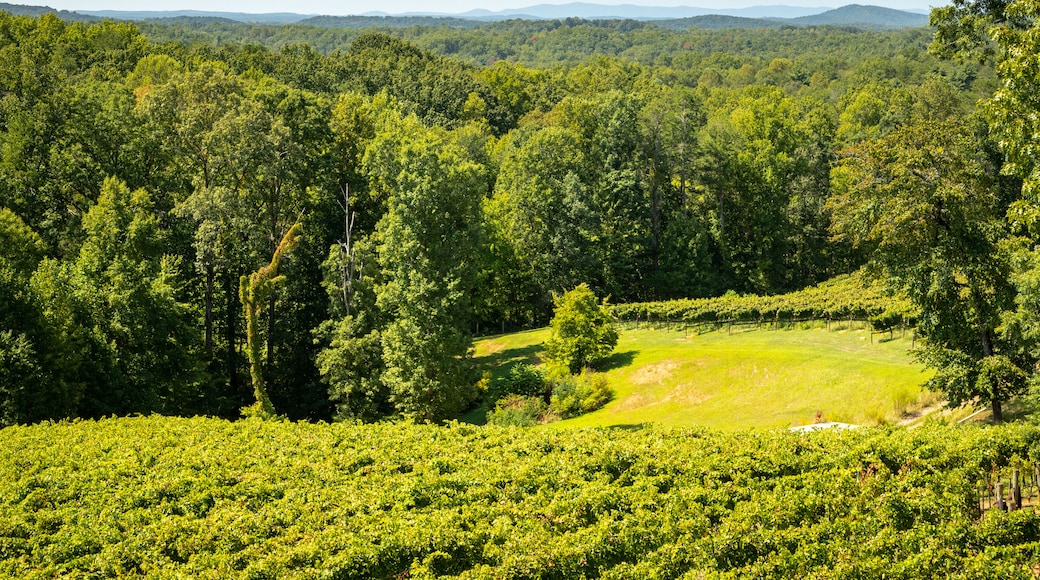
column 343, row 7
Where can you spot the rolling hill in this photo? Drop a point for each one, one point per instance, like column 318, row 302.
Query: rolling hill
column 867, row 16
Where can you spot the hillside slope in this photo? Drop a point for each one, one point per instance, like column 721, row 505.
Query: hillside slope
column 733, row 379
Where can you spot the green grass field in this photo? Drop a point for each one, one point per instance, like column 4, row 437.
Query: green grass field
column 747, row 379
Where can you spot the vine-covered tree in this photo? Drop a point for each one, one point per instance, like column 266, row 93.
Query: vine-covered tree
column 256, row 291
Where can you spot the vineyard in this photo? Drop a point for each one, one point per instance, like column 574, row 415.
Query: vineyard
column 165, row 497
column 852, row 297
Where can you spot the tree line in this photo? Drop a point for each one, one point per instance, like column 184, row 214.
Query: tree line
column 148, row 189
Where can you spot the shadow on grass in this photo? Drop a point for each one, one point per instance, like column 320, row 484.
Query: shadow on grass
column 628, row 426
column 503, row 360
column 476, row 416
column 617, row 360
column 1019, row 409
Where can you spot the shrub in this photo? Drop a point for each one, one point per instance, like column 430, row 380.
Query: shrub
column 522, row 379
column 574, row 395
column 526, row 380
column 517, row 410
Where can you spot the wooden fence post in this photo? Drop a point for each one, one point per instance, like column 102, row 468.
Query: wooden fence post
column 1036, row 483
column 999, row 496
column 1016, row 489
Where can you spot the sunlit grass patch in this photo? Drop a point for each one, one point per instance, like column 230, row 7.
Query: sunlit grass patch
column 758, row 378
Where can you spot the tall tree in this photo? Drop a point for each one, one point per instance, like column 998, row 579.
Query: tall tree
column 546, row 212
column 427, row 246
column 680, row 248
column 37, row 379
column 258, row 154
column 930, row 210
column 766, row 166
column 1008, row 33
column 119, row 303
column 183, row 111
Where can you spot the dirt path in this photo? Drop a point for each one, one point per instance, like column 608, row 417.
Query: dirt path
column 914, row 418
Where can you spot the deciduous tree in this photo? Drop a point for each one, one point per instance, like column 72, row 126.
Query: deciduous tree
column 928, row 207
column 583, row 331
column 427, row 247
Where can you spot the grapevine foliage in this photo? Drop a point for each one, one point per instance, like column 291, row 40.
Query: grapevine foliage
column 843, row 297
column 171, row 497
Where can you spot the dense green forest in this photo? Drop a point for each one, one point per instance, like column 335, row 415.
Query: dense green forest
column 549, row 43
column 318, row 221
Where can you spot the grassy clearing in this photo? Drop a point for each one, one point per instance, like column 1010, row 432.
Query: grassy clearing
column 756, row 378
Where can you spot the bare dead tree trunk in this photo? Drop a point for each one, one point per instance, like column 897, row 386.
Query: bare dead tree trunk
column 682, row 162
column 270, row 326
column 655, row 196
column 210, row 275
column 722, row 216
column 231, row 332
column 346, row 251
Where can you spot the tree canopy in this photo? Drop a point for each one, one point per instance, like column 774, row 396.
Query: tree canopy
column 453, row 180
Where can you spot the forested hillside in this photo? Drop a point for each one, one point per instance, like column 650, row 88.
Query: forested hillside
column 193, row 223
column 550, row 43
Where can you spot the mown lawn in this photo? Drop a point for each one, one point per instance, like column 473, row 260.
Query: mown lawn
column 752, row 378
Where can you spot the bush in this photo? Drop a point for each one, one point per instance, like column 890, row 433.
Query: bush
column 574, row 395
column 522, row 379
column 517, row 410
column 519, row 399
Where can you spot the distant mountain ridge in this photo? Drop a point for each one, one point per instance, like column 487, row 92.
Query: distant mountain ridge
column 856, row 14
column 266, row 18
column 24, row 10
column 678, row 17
column 622, row 11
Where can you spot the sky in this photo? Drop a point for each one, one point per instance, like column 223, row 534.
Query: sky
column 345, row 7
